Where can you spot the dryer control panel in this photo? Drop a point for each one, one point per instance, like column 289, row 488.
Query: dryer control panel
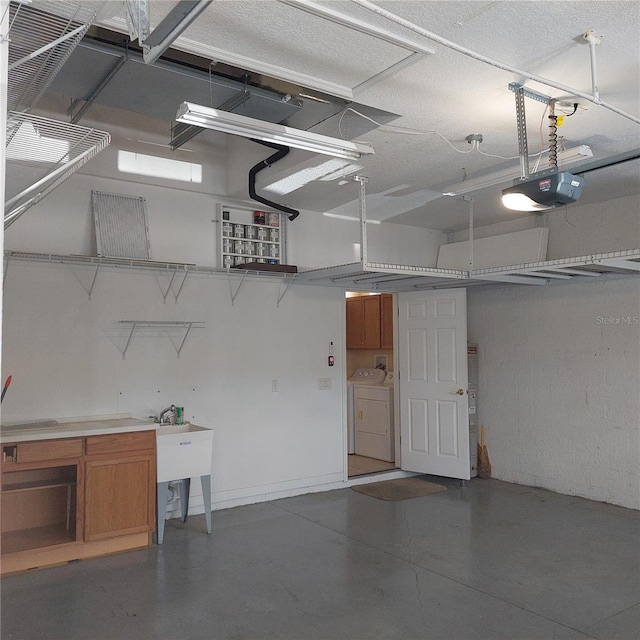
column 366, row 375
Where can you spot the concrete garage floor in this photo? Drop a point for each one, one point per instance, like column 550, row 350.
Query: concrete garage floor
column 487, row 561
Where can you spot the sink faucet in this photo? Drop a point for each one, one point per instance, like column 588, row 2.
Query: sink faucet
column 167, row 415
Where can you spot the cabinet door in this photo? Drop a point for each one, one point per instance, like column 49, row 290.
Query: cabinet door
column 371, row 312
column 120, row 496
column 355, row 323
column 386, row 332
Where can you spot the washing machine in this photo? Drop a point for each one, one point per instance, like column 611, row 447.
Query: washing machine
column 361, row 377
column 373, row 419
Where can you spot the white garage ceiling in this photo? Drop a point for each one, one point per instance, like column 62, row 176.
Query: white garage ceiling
column 440, row 99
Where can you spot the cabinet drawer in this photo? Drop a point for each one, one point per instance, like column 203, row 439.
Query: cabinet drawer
column 42, row 450
column 120, row 442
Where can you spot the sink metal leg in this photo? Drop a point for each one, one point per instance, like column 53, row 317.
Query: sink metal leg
column 184, row 486
column 162, row 498
column 206, row 494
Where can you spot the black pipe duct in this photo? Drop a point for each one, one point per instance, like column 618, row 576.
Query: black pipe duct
column 281, row 152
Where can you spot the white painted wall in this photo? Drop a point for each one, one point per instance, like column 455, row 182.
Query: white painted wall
column 560, row 368
column 559, row 380
column 183, row 227
column 578, row 230
column 596, row 228
column 64, row 350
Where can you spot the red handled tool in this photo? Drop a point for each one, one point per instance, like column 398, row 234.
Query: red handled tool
column 7, row 382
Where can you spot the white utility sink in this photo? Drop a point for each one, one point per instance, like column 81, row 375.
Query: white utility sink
column 183, row 451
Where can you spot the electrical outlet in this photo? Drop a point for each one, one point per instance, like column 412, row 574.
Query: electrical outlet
column 324, row 384
column 274, row 385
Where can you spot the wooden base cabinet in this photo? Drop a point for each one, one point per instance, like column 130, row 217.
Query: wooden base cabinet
column 97, row 500
column 120, row 484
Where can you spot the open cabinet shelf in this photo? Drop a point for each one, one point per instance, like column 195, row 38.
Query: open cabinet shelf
column 250, row 236
column 36, row 537
column 39, row 508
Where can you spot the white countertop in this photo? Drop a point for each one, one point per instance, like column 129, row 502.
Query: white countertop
column 73, row 428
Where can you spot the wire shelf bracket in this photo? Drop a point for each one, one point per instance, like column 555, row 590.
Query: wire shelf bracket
column 285, row 283
column 170, row 288
column 234, row 293
column 135, row 326
column 87, row 289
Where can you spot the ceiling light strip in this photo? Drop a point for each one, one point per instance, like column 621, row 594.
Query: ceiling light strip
column 238, row 125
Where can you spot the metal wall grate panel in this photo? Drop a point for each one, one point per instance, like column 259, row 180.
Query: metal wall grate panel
column 121, row 225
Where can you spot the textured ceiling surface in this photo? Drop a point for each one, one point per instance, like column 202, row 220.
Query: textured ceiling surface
column 443, row 97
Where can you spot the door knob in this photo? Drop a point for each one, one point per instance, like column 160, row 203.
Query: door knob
column 459, row 392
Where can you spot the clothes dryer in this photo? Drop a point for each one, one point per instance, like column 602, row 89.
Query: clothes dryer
column 362, row 377
column 374, row 421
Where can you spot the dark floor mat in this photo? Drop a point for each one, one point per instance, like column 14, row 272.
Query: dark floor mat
column 400, row 489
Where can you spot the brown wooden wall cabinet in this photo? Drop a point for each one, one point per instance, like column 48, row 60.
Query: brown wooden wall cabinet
column 76, row 498
column 370, row 322
column 386, row 316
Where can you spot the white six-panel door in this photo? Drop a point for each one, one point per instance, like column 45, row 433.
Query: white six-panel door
column 432, row 358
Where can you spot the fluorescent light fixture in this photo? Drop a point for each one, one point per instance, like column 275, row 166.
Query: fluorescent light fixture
column 339, row 216
column 268, row 132
column 569, row 156
column 327, row 171
column 544, row 192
